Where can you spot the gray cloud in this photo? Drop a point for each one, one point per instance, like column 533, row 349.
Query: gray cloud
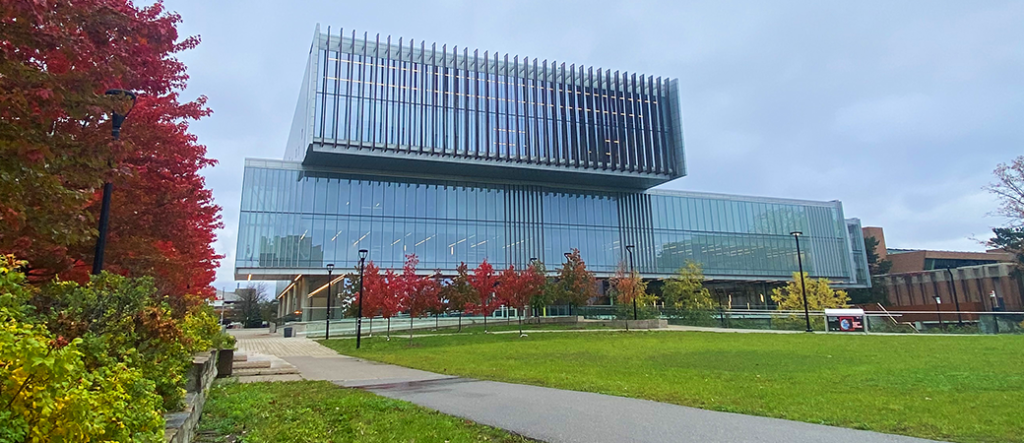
column 900, row 110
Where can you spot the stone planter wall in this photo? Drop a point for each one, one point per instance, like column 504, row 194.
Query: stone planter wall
column 181, row 425
column 550, row 320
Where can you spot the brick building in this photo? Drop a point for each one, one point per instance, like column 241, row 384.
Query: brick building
column 977, row 281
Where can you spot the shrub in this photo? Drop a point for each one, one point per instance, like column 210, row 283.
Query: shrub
column 122, row 320
column 49, row 392
column 695, row 317
column 98, row 362
column 625, row 312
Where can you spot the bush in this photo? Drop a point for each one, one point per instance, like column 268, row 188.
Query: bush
column 625, row 312
column 98, row 362
column 121, row 320
column 223, row 340
column 695, row 317
column 798, row 323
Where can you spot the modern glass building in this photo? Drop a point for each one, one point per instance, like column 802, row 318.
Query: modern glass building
column 454, row 155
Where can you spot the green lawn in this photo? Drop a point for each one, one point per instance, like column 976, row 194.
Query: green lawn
column 316, row 411
column 950, row 388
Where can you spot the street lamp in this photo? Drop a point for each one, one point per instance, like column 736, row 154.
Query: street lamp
column 803, row 289
column 327, row 332
column 568, row 258
column 124, row 104
column 937, row 311
column 359, row 318
column 956, row 300
column 629, row 249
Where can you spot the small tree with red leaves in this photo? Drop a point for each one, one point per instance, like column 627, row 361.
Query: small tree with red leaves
column 575, row 283
column 394, row 297
column 483, row 280
column 517, row 288
column 375, row 288
column 421, row 292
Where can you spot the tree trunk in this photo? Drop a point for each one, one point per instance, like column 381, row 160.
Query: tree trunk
column 520, row 325
column 370, row 334
column 485, row 323
column 460, row 322
column 410, row 327
column 389, row 328
column 437, row 317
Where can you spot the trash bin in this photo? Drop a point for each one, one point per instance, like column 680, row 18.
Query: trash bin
column 273, row 328
column 225, row 360
column 287, row 332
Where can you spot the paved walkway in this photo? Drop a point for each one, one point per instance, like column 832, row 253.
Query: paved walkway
column 549, row 415
column 317, row 362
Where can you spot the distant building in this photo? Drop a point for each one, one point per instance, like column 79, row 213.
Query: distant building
column 224, row 303
column 979, row 281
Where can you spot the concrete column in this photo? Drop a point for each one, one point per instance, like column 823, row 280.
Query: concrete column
column 1011, row 298
column 302, row 297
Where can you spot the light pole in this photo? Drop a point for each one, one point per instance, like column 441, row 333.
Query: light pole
column 938, row 312
column 629, row 249
column 956, row 300
column 568, row 303
column 528, row 310
column 327, row 332
column 359, row 315
column 124, row 107
column 803, row 289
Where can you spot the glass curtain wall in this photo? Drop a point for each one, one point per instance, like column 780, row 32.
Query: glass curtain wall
column 298, row 219
column 747, row 238
column 410, row 97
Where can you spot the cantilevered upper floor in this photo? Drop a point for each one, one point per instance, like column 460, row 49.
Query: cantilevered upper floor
column 394, row 105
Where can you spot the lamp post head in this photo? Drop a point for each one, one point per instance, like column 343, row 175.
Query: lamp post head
column 330, row 267
column 938, row 299
column 796, row 233
column 630, row 248
column 124, row 102
column 362, row 254
column 567, row 255
column 533, row 259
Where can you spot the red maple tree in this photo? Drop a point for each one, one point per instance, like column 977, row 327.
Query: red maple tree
column 375, row 288
column 517, row 288
column 56, row 60
column 483, row 280
column 420, row 292
column 392, row 300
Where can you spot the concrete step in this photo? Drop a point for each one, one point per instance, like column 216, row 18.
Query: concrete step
column 250, row 364
column 239, row 356
column 264, row 371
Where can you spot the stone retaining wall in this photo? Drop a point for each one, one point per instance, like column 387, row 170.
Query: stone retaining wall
column 181, row 425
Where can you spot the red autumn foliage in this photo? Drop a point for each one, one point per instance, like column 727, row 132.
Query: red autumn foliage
column 56, row 60
column 517, row 288
column 483, row 279
column 375, row 289
column 393, row 297
column 420, row 292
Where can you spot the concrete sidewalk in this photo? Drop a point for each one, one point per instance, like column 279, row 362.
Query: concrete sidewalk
column 546, row 414
column 560, row 416
column 317, row 362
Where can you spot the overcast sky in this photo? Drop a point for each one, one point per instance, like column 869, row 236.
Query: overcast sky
column 899, row 109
